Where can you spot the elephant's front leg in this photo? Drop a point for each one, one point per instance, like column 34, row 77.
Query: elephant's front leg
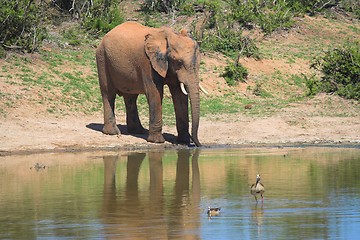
column 181, row 107
column 154, row 96
column 132, row 115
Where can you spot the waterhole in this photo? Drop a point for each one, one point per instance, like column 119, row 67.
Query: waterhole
column 310, row 193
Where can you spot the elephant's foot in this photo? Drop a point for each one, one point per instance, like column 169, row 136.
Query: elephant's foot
column 156, row 138
column 184, row 139
column 111, row 129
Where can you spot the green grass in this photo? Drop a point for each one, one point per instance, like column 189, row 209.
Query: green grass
column 59, row 80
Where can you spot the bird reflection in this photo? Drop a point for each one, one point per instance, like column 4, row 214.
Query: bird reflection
column 258, row 216
column 133, row 213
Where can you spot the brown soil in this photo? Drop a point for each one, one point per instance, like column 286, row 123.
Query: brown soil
column 297, row 124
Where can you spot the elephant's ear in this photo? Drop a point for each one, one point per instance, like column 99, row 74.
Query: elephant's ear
column 155, row 48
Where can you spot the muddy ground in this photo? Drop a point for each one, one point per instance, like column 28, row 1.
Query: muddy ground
column 296, row 124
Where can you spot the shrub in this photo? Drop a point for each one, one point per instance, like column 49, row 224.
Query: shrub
column 166, row 6
column 214, row 13
column 235, row 73
column 230, row 43
column 102, row 17
column 268, row 15
column 341, row 71
column 351, row 6
column 244, row 12
column 2, row 52
column 21, row 25
column 314, row 6
column 312, row 84
column 278, row 16
column 72, row 36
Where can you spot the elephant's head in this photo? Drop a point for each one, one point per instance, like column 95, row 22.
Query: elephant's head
column 177, row 55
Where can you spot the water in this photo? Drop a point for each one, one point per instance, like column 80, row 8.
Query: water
column 310, row 193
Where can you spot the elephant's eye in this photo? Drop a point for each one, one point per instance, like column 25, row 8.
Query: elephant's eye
column 180, row 62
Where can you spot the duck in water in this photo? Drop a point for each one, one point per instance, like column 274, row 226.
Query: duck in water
column 213, row 211
column 257, row 188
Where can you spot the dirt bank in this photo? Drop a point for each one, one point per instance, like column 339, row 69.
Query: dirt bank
column 297, row 124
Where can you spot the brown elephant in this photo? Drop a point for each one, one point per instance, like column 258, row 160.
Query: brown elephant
column 133, row 59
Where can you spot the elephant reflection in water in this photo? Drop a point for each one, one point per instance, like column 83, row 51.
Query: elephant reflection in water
column 134, row 216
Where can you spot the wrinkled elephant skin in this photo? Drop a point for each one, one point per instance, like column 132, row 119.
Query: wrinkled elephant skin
column 133, row 59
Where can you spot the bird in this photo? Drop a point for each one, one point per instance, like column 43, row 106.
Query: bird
column 257, row 188
column 213, row 211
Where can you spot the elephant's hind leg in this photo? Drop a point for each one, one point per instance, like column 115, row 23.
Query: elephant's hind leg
column 109, row 116
column 108, row 95
column 132, row 116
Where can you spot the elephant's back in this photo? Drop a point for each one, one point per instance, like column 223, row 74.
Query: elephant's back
column 127, row 33
column 125, row 41
column 123, row 51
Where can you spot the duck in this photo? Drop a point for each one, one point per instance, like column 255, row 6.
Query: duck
column 213, row 211
column 257, row 188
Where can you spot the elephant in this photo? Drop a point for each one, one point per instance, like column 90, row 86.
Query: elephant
column 133, row 59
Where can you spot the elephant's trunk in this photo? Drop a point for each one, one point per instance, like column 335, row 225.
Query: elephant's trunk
column 195, row 113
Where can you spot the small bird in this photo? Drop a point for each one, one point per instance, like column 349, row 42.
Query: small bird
column 213, row 211
column 257, row 188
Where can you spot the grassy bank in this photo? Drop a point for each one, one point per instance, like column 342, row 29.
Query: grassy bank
column 61, row 79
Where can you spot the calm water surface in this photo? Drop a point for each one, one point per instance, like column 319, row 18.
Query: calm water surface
column 310, row 193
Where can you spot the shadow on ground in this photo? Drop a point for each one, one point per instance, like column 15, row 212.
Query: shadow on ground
column 171, row 138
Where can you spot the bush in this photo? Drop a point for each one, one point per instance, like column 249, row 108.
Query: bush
column 72, row 36
column 244, row 12
column 275, row 17
column 166, row 6
column 230, row 43
column 97, row 16
column 314, row 6
column 2, row 52
column 312, row 84
column 351, row 6
column 21, row 25
column 235, row 73
column 268, row 15
column 341, row 71
column 102, row 17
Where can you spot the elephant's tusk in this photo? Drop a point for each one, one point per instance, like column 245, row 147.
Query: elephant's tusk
column 203, row 90
column 182, row 86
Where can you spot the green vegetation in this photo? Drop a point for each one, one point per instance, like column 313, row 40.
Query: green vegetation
column 103, row 16
column 234, row 73
column 230, row 43
column 21, row 25
column 341, row 72
column 60, row 88
column 268, row 15
column 166, row 6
